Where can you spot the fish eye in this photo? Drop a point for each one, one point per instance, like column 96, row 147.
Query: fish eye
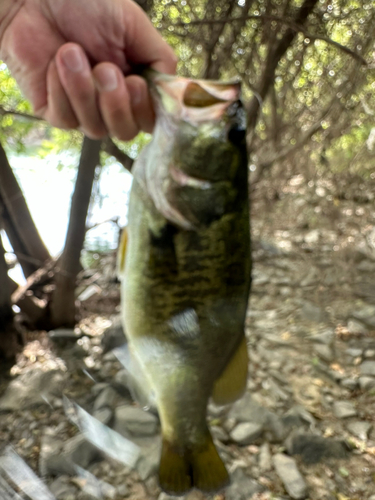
column 237, row 134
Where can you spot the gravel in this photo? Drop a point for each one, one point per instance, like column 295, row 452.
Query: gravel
column 310, row 391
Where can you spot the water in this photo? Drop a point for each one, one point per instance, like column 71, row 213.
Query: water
column 48, row 194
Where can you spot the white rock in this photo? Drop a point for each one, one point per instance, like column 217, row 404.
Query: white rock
column 325, row 337
column 344, row 409
column 134, row 421
column 104, row 415
column 366, row 383
column 265, row 458
column 106, row 399
column 360, row 429
column 149, row 458
column 324, row 352
column 33, row 388
column 289, row 474
column 349, row 383
column 246, row 433
column 356, row 327
column 312, row 237
column 242, row 486
column 354, row 352
column 78, row 450
column 368, row 368
column 51, row 460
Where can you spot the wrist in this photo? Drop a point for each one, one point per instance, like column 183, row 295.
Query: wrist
column 8, row 9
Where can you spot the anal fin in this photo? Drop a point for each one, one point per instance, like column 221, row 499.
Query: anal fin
column 232, row 382
column 121, row 253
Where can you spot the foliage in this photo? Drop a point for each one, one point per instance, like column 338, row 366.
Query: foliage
column 134, row 147
column 320, row 88
column 14, row 129
column 24, row 135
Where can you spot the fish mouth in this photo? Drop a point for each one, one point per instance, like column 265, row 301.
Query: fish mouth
column 193, row 100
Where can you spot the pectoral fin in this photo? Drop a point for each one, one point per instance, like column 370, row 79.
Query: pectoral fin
column 137, row 382
column 232, row 382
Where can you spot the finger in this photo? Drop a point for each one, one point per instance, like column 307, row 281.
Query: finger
column 143, row 43
column 140, row 102
column 76, row 78
column 114, row 101
column 59, row 113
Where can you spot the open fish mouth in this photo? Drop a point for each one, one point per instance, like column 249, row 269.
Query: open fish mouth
column 193, row 100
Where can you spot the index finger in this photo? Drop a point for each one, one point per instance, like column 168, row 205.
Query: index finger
column 144, row 45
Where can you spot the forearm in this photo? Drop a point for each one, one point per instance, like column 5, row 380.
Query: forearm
column 8, row 9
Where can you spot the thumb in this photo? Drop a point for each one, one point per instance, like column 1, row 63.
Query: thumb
column 143, row 44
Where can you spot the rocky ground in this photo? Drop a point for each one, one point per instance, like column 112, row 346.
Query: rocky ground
column 304, row 429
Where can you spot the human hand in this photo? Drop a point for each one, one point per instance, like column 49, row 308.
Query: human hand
column 69, row 58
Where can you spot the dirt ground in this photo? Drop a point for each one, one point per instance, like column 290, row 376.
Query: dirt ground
column 306, row 427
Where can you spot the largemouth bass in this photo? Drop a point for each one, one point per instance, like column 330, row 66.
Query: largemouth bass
column 186, row 276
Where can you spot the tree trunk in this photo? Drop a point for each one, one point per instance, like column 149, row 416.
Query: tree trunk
column 63, row 310
column 6, row 313
column 18, row 223
column 213, row 66
column 8, row 334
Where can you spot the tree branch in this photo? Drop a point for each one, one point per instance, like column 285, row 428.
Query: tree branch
column 316, row 127
column 108, row 145
column 18, row 114
column 288, row 150
column 287, row 22
column 275, row 53
column 113, row 150
column 266, row 165
column 20, row 291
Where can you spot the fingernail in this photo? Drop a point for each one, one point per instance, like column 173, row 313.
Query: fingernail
column 106, row 79
column 73, row 59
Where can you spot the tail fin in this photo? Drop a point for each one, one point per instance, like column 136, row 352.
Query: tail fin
column 174, row 473
column 194, row 466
